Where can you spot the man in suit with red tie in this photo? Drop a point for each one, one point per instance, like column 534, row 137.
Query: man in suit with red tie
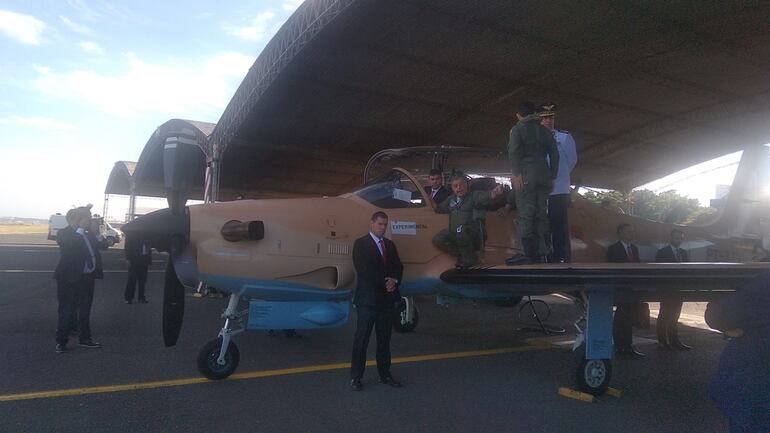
column 436, row 190
column 671, row 305
column 624, row 251
column 378, row 270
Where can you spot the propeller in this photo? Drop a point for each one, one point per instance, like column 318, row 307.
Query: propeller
column 169, row 230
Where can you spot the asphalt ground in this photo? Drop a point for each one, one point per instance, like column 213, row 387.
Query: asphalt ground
column 465, row 369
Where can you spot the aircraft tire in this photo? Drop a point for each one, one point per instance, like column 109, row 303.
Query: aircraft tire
column 207, row 360
column 398, row 323
column 593, row 375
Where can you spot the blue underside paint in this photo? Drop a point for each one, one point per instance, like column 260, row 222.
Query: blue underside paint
column 272, row 290
column 598, row 333
column 296, row 315
column 285, row 305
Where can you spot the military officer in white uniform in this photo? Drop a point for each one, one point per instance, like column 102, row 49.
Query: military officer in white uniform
column 559, row 199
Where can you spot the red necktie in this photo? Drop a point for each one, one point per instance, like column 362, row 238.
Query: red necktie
column 631, row 256
column 382, row 252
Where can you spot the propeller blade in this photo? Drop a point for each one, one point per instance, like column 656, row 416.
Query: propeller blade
column 169, row 230
column 173, row 305
column 180, row 153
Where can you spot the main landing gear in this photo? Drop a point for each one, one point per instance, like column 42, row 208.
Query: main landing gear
column 592, row 375
column 407, row 316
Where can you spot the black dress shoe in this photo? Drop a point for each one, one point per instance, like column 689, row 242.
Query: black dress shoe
column 356, row 385
column 142, row 300
column 390, row 381
column 629, row 352
column 678, row 345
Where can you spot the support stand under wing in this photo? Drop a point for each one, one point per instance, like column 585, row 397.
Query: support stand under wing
column 599, row 286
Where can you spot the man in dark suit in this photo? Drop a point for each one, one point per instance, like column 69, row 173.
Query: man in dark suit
column 671, row 304
column 79, row 265
column 378, row 270
column 624, row 251
column 139, row 258
column 741, row 383
column 436, row 190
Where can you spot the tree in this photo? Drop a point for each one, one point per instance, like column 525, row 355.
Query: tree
column 668, row 206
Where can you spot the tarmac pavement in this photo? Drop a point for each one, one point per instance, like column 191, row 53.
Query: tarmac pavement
column 134, row 384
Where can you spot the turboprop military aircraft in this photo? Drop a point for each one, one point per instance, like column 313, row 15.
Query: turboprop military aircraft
column 290, row 259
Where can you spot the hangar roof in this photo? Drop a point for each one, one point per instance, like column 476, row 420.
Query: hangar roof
column 148, row 175
column 645, row 87
column 120, row 179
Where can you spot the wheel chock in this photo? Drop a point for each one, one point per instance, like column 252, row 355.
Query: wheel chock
column 577, row 395
column 614, row 392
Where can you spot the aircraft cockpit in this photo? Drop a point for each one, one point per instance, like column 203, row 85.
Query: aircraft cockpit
column 418, row 161
column 392, row 190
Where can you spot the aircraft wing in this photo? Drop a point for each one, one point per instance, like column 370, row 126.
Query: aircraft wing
column 631, row 281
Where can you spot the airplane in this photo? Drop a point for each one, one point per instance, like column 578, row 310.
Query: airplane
column 289, row 259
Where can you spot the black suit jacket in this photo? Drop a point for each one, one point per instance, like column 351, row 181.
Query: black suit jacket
column 441, row 195
column 616, row 253
column 133, row 251
column 73, row 254
column 371, row 272
column 666, row 255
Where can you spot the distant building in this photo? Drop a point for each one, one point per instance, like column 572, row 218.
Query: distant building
column 720, row 192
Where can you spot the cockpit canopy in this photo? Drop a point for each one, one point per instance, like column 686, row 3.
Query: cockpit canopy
column 392, row 190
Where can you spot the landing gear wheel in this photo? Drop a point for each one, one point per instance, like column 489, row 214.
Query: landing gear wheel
column 400, row 323
column 207, row 360
column 593, row 375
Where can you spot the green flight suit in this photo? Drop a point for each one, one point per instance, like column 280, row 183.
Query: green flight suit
column 465, row 234
column 533, row 154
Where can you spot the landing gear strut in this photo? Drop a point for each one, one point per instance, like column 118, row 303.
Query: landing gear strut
column 593, row 368
column 407, row 316
column 219, row 357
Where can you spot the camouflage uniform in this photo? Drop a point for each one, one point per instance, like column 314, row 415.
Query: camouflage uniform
column 530, row 148
column 464, row 236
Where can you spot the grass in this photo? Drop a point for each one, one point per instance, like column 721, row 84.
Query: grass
column 22, row 229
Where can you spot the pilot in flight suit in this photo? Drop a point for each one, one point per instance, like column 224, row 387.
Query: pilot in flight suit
column 534, row 160
column 463, row 238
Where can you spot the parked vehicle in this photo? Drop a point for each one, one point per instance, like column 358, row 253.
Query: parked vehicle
column 58, row 221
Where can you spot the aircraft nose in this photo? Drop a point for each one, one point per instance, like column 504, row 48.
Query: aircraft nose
column 158, row 228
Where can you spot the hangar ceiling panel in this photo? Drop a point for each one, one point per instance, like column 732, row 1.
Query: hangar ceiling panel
column 646, row 87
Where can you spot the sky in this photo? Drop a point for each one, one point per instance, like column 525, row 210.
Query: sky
column 700, row 180
column 84, row 84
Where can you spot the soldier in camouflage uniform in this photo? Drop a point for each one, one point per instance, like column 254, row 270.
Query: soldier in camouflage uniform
column 534, row 160
column 465, row 209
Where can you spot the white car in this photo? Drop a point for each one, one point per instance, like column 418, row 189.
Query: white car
column 58, row 221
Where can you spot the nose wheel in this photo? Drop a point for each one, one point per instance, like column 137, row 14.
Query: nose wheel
column 209, row 363
column 219, row 357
